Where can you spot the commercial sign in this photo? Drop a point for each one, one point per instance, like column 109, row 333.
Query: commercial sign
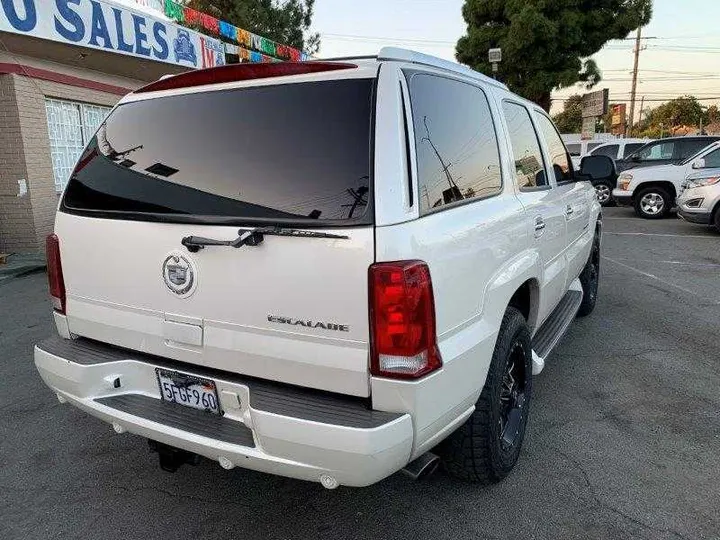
column 595, row 103
column 110, row 27
column 588, row 128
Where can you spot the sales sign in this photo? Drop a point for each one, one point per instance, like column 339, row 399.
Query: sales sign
column 595, row 103
column 101, row 25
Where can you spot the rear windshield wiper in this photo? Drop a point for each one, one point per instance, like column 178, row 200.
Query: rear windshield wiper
column 254, row 237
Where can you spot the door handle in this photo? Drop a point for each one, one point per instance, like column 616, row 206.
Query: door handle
column 569, row 211
column 539, row 226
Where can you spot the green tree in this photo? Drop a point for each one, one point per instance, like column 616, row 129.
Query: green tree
column 682, row 111
column 284, row 22
column 546, row 44
column 570, row 119
column 712, row 114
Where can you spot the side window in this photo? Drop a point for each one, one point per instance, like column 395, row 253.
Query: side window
column 712, row 159
column 654, row 152
column 458, row 156
column 558, row 154
column 574, row 149
column 592, row 145
column 529, row 168
column 609, row 150
column 632, row 147
column 690, row 148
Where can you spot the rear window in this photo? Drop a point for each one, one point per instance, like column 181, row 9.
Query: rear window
column 574, row 149
column 609, row 150
column 630, row 148
column 295, row 153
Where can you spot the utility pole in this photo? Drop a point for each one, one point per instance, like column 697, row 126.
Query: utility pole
column 634, row 79
column 642, row 102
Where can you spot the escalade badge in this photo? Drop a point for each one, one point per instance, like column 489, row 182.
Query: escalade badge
column 179, row 274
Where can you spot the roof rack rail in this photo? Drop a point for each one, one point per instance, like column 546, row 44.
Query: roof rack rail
column 405, row 55
column 338, row 58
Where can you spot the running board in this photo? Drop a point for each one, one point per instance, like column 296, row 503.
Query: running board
column 555, row 326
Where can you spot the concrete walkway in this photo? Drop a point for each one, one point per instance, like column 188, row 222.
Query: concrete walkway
column 19, row 264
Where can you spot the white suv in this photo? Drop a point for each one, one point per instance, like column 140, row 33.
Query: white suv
column 652, row 190
column 322, row 270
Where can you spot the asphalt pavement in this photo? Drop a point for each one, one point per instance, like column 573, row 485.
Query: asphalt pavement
column 623, row 441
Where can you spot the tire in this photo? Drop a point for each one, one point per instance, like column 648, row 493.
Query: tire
column 477, row 451
column 590, row 280
column 653, row 203
column 716, row 221
column 603, row 191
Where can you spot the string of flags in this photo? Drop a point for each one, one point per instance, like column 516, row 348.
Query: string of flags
column 265, row 50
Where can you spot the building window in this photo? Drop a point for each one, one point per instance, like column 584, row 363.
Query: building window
column 70, row 126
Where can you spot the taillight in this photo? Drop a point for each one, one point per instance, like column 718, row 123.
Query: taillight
column 403, row 344
column 55, row 275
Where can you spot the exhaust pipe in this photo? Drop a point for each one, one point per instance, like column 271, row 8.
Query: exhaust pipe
column 422, row 466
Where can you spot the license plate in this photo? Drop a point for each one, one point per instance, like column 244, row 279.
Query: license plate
column 188, row 390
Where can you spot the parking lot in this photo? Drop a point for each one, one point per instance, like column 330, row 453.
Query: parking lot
column 623, row 440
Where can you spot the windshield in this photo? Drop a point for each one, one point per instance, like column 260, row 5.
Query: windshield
column 705, row 149
column 294, row 153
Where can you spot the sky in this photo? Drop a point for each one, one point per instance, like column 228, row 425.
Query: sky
column 684, row 57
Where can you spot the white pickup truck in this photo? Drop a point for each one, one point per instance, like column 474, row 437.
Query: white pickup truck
column 329, row 270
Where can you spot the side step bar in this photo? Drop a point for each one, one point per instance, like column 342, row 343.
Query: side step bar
column 555, row 326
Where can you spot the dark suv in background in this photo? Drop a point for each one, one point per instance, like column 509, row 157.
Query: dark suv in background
column 663, row 151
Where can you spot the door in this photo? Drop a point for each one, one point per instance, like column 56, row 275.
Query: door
column 575, row 197
column 214, row 165
column 543, row 203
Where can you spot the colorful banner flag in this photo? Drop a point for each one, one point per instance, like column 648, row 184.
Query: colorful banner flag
column 174, row 11
column 192, row 16
column 263, row 45
column 210, row 23
column 228, row 30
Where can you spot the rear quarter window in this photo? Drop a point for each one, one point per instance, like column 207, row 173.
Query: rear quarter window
column 458, row 157
column 611, row 150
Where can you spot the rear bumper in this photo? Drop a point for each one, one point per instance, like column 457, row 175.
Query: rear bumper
column 622, row 197
column 701, row 217
column 275, row 429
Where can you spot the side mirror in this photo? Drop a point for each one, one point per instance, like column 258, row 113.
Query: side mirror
column 597, row 167
column 699, row 163
column 635, row 158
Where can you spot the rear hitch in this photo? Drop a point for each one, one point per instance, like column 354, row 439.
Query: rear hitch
column 172, row 458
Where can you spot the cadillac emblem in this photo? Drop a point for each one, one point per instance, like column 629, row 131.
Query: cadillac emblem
column 179, row 274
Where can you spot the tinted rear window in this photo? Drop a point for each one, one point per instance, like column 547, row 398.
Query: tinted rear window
column 574, row 149
column 632, row 147
column 610, row 150
column 286, row 154
column 693, row 146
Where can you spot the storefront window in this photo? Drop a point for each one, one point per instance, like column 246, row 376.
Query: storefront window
column 70, row 126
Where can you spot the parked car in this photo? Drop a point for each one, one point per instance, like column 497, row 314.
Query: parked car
column 672, row 150
column 616, row 149
column 653, row 190
column 579, row 149
column 619, row 148
column 375, row 270
column 699, row 201
column 604, row 177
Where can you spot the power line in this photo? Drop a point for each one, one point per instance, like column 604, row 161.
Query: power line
column 714, row 98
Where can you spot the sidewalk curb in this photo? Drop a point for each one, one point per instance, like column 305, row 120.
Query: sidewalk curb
column 20, row 264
